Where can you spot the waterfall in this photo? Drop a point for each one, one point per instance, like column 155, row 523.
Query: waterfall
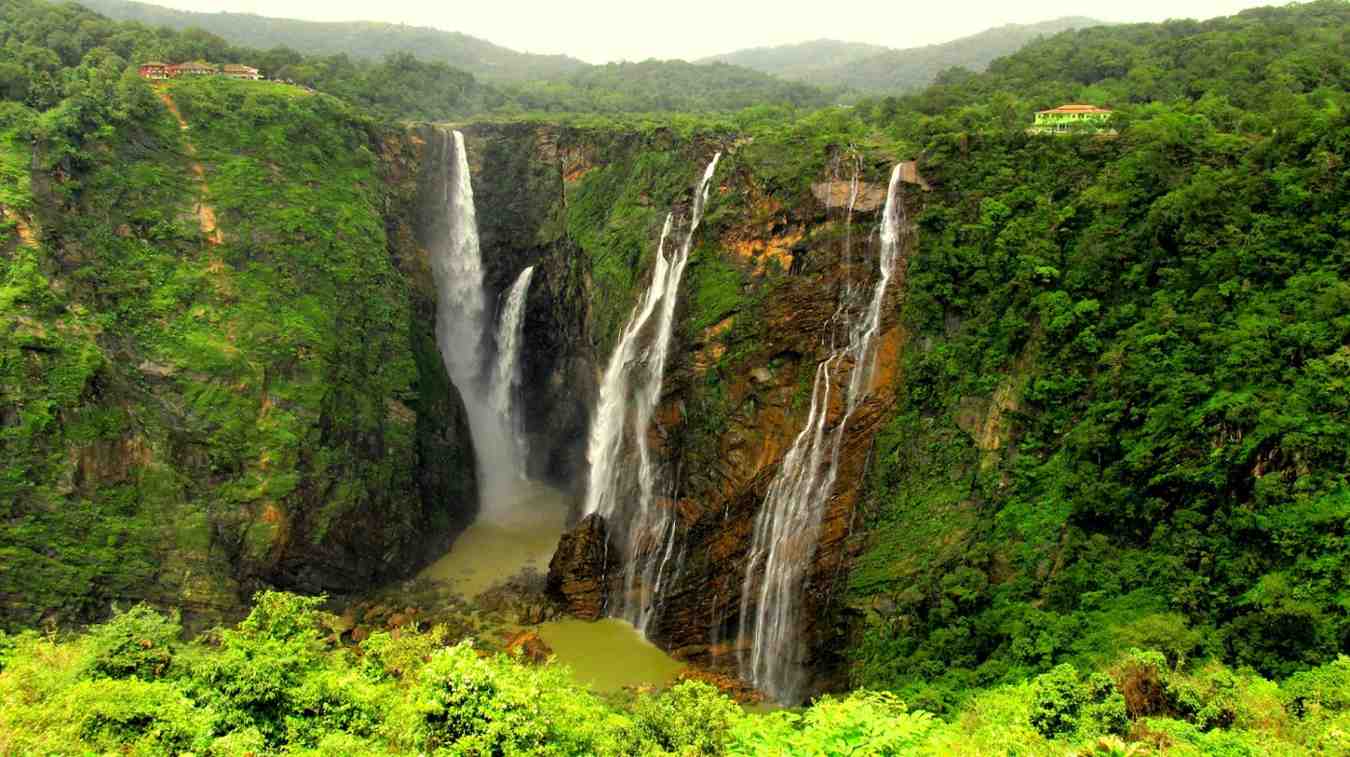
column 629, row 393
column 788, row 525
column 506, row 373
column 457, row 267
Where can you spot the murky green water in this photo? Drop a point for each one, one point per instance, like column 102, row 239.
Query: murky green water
column 523, row 534
column 607, row 654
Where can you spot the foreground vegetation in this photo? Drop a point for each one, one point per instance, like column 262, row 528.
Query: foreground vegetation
column 278, row 683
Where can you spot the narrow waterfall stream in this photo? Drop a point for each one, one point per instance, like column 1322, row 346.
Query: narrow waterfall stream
column 621, row 492
column 506, row 373
column 787, row 528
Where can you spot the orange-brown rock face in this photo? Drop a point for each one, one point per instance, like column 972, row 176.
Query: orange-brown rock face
column 528, row 646
column 724, row 472
column 758, row 310
column 578, row 574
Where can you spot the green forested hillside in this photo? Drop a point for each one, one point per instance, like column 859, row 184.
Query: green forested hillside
column 874, row 69
column 1128, row 424
column 193, row 283
column 664, row 86
column 44, row 40
column 359, row 39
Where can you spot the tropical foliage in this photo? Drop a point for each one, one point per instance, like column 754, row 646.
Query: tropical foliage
column 277, row 683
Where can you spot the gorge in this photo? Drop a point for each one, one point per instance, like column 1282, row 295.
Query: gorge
column 323, row 430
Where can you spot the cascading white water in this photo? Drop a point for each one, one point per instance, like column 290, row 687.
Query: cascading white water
column 628, row 379
column 506, row 373
column 788, row 525
column 629, row 393
column 457, row 268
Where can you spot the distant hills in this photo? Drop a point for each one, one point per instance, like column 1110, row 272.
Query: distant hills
column 873, row 69
column 814, row 61
column 359, row 39
column 748, row 75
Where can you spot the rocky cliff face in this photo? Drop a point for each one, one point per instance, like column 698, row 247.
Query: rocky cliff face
column 740, row 397
column 753, row 322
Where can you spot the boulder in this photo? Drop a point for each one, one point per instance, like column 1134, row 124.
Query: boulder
column 739, row 691
column 579, row 571
column 529, row 647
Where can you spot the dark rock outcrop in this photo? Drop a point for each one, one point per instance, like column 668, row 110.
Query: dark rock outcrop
column 578, row 574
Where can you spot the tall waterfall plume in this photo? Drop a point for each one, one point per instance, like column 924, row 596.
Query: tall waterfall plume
column 622, row 492
column 787, row 528
column 506, row 373
column 457, row 267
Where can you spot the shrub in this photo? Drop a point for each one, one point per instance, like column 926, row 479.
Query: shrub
column 330, row 701
column 1064, row 704
column 1324, row 689
column 691, row 718
column 464, row 704
column 1140, row 676
column 152, row 716
column 136, row 643
column 864, row 723
column 1208, row 699
column 256, row 679
column 383, row 656
column 7, row 646
column 1056, row 699
column 1104, row 712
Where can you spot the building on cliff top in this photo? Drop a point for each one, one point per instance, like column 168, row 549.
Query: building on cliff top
column 1071, row 118
column 193, row 68
column 156, row 70
column 237, row 71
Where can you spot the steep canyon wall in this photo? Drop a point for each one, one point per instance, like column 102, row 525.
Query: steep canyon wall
column 193, row 413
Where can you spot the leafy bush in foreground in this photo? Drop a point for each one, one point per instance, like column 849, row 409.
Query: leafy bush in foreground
column 278, row 684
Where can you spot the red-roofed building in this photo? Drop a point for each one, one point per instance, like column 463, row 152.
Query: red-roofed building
column 193, row 68
column 154, row 70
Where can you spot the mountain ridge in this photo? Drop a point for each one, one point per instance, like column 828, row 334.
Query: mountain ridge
column 892, row 70
column 361, row 39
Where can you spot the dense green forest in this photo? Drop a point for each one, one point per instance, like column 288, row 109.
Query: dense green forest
column 1162, row 320
column 43, row 42
column 359, row 39
column 49, row 47
column 1110, row 514
column 873, row 69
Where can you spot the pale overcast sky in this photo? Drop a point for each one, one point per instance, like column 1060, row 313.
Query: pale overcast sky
column 604, row 30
